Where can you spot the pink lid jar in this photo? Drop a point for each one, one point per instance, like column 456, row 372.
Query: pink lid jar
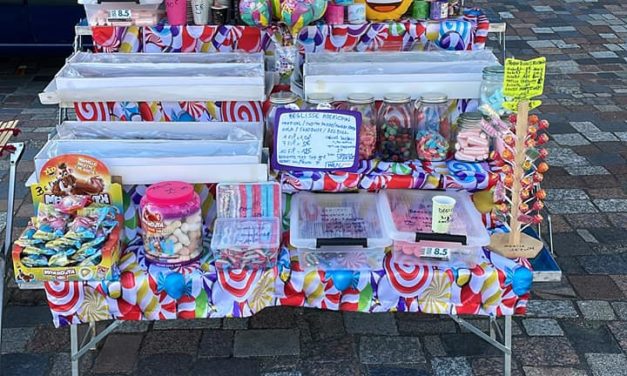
column 171, row 223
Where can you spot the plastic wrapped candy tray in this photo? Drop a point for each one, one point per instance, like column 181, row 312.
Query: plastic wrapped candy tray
column 407, row 220
column 246, row 243
column 338, row 231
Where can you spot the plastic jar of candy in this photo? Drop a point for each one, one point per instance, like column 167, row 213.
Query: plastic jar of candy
column 171, row 223
column 491, row 92
column 396, row 134
column 472, row 144
column 433, row 128
column 364, row 104
column 319, row 101
column 282, row 99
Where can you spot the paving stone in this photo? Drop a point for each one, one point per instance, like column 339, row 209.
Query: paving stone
column 286, row 373
column 618, row 219
column 14, row 340
column 542, row 327
column 331, row 369
column 187, row 324
column 407, row 325
column 560, row 157
column 273, row 318
column 268, row 342
column 587, row 236
column 390, row 350
column 553, row 371
column 619, row 330
column 171, row 342
column 49, row 340
column 554, row 290
column 226, row 367
column 570, row 207
column 451, row 366
column 166, row 364
column 595, row 287
column 587, row 170
column 604, row 264
column 367, row 323
column 60, row 363
column 596, row 310
column 396, row 371
column 570, row 139
column 24, row 364
column 330, row 350
column 544, row 351
column 601, row 137
column 133, row 327
column 621, row 309
column 434, row 346
column 551, row 308
column 610, row 249
column 492, row 366
column 466, row 344
column 565, row 194
column 26, row 316
column 585, row 127
column 607, row 364
column 216, row 344
column 587, row 220
column 233, row 323
column 611, row 205
column 325, row 324
column 288, row 363
column 569, row 244
column 111, row 360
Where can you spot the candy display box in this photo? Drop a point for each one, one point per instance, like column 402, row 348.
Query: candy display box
column 246, row 243
column 338, row 231
column 407, row 219
column 123, row 13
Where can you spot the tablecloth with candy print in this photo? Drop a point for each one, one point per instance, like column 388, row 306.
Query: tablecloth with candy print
column 494, row 286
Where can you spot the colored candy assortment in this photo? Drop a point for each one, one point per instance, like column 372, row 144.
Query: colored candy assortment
column 433, row 127
column 472, row 143
column 240, row 243
column 171, row 223
column 364, row 104
column 396, row 134
column 253, row 200
column 431, row 146
column 57, row 239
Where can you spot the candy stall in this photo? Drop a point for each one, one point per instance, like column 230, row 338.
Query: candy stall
column 227, row 156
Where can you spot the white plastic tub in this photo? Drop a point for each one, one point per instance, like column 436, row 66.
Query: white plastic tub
column 123, row 13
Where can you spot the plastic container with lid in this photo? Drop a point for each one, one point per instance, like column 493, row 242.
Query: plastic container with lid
column 123, row 13
column 433, row 129
column 364, row 104
column 171, row 222
column 246, row 243
column 282, row 99
column 396, row 132
column 407, row 220
column 472, row 144
column 338, row 231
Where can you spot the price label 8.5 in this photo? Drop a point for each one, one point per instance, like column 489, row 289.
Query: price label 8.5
column 120, row 14
column 436, row 252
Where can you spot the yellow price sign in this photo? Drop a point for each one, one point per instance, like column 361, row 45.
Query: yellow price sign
column 524, row 79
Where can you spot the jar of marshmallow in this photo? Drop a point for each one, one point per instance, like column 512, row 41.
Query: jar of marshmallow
column 171, row 223
column 472, row 144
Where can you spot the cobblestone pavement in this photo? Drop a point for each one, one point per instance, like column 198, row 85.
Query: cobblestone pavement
column 576, row 327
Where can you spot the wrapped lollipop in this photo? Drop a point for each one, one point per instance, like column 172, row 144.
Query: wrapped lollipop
column 255, row 12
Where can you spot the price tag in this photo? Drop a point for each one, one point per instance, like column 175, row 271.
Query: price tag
column 119, row 15
column 436, row 252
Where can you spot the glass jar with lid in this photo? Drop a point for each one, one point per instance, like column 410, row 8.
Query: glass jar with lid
column 282, row 99
column 396, row 132
column 364, row 104
column 319, row 101
column 491, row 92
column 433, row 128
column 472, row 144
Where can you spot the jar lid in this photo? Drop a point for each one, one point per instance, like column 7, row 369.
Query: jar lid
column 170, row 193
column 470, row 119
column 434, row 98
column 283, row 97
column 397, row 98
column 360, row 98
column 317, row 98
column 494, row 69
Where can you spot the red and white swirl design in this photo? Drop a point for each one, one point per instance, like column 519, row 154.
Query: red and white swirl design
column 92, row 111
column 238, row 283
column 407, row 280
column 64, row 298
column 241, row 112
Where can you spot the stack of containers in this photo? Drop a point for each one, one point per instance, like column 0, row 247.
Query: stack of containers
column 247, row 232
column 123, row 13
column 333, row 231
column 407, row 219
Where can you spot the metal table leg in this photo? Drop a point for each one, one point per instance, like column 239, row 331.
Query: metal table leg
column 89, row 342
column 507, row 366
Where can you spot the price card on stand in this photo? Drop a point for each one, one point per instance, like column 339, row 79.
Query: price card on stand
column 318, row 140
column 120, row 15
column 436, row 253
column 523, row 81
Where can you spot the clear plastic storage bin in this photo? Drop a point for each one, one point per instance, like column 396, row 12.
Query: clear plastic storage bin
column 123, row 13
column 246, row 243
column 407, row 219
column 338, row 231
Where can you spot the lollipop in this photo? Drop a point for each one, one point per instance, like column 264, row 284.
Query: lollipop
column 297, row 14
column 255, row 12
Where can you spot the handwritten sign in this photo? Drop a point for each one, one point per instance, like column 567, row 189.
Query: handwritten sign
column 316, row 140
column 524, row 79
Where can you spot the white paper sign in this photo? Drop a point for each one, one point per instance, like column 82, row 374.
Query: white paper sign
column 316, row 140
column 436, row 252
column 120, row 14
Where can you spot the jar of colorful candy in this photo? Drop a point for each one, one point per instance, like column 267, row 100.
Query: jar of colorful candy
column 396, row 133
column 282, row 99
column 364, row 104
column 319, row 101
column 472, row 144
column 433, row 130
column 171, row 223
column 491, row 92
